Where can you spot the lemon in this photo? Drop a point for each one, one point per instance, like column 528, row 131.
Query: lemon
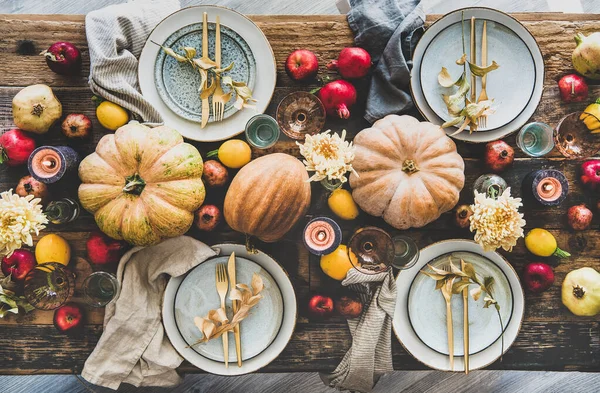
column 542, row 243
column 53, row 248
column 111, row 115
column 235, row 153
column 342, row 205
column 337, row 264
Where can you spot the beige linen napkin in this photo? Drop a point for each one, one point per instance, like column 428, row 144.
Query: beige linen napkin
column 133, row 347
column 370, row 356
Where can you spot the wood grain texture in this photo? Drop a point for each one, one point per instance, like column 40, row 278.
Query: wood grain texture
column 551, row 338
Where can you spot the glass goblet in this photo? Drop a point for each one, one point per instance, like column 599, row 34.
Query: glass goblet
column 371, row 250
column 49, row 285
column 573, row 135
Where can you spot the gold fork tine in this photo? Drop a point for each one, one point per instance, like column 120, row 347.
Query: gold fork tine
column 222, row 288
column 447, row 293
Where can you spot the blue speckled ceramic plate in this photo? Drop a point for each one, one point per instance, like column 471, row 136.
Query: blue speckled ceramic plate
column 264, row 333
column 178, row 83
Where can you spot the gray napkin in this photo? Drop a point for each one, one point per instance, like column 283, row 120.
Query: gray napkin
column 370, row 356
column 116, row 35
column 389, row 31
column 133, row 347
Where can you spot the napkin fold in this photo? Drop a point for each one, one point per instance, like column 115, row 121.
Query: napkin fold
column 133, row 347
column 389, row 30
column 116, row 36
column 370, row 355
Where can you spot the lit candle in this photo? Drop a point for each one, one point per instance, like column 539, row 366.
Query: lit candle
column 49, row 164
column 548, row 187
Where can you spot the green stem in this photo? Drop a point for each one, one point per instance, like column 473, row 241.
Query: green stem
column 579, row 37
column 134, row 184
column 597, row 101
column 561, row 253
column 212, row 153
column 3, row 155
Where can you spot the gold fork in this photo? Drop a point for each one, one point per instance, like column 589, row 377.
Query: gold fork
column 219, row 98
column 447, row 293
column 483, row 94
column 222, row 287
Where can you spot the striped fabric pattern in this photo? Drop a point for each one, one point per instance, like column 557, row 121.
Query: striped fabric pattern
column 370, row 356
column 116, row 35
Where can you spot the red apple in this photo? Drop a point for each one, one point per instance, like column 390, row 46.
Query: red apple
column 348, row 306
column 15, row 147
column 68, row 318
column 573, row 88
column 28, row 185
column 102, row 249
column 580, row 217
column 63, row 58
column 18, row 264
column 538, row 277
column 214, row 174
column 302, row 64
column 498, row 156
column 77, row 125
column 320, row 306
column 590, row 173
column 207, row 218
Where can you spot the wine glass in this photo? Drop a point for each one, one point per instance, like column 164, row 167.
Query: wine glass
column 300, row 113
column 371, row 250
column 49, row 285
column 573, row 135
column 100, row 288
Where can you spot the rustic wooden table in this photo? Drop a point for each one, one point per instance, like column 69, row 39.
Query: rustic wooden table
column 551, row 338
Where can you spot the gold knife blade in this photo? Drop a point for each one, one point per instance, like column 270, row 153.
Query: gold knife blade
column 218, row 43
column 465, row 294
column 236, row 330
column 473, row 60
column 205, row 106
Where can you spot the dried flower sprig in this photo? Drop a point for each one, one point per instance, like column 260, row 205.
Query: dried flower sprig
column 19, row 218
column 497, row 221
column 10, row 302
column 454, row 280
column 329, row 155
column 216, row 322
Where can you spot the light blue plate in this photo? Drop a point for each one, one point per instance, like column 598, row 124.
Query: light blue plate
column 197, row 294
column 178, row 83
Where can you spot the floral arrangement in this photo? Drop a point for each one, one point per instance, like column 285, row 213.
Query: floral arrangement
column 328, row 155
column 19, row 218
column 216, row 322
column 497, row 222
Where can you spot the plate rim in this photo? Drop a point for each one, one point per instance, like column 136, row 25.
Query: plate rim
column 519, row 293
column 198, row 134
column 218, row 367
column 507, row 129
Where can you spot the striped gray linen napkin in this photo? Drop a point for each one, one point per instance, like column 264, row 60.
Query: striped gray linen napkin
column 116, row 35
column 370, row 355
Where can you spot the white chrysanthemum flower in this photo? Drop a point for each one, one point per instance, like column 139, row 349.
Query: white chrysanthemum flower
column 497, row 222
column 328, row 155
column 19, row 218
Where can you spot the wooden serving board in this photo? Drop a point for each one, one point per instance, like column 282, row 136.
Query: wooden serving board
column 551, row 337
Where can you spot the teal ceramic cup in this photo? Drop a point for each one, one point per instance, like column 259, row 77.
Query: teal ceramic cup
column 262, row 131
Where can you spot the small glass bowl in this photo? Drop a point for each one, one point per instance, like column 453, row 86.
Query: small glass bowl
column 300, row 113
column 573, row 135
column 262, row 131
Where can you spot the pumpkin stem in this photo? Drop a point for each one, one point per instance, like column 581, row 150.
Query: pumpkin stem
column 134, row 184
column 409, row 166
column 249, row 246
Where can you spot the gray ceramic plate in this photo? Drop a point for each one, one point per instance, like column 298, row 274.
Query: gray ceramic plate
column 177, row 83
column 516, row 86
column 427, row 308
column 197, row 295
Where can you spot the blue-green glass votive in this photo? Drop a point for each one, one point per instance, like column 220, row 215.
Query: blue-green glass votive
column 262, row 131
column 535, row 139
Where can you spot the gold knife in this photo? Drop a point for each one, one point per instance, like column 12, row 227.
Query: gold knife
column 234, row 303
column 473, row 60
column 203, row 95
column 465, row 294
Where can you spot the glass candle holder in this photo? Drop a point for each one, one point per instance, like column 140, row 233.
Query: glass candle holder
column 536, row 139
column 49, row 285
column 406, row 252
column 100, row 288
column 573, row 135
column 62, row 211
column 262, row 131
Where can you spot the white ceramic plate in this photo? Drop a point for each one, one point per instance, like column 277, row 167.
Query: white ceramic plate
column 264, row 334
column 266, row 73
column 420, row 323
column 516, row 86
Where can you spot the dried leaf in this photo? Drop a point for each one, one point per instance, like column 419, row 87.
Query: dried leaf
column 174, row 55
column 190, row 53
column 257, row 284
column 435, row 276
column 453, row 122
column 456, row 271
column 475, row 293
column 441, row 272
column 459, row 286
column 444, row 78
column 439, row 284
column 469, row 270
column 204, row 63
column 462, row 60
column 482, row 71
column 221, row 70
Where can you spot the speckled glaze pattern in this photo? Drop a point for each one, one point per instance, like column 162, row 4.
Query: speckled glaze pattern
column 197, row 295
column 178, row 83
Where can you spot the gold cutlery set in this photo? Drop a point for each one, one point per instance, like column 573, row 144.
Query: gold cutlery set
column 447, row 293
column 214, row 90
column 483, row 94
column 225, row 279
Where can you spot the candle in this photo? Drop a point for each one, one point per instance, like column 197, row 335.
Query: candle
column 48, row 164
column 548, row 187
column 322, row 236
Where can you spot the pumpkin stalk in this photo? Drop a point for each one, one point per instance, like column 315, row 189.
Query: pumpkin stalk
column 409, row 166
column 134, row 184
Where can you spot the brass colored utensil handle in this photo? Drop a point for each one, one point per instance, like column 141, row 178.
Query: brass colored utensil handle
column 465, row 294
column 484, row 51
column 218, row 43
column 450, row 334
column 473, row 60
column 205, row 34
column 234, row 303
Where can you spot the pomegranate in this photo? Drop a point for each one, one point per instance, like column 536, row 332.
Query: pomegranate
column 590, row 173
column 573, row 88
column 338, row 97
column 102, row 249
column 352, row 63
column 28, row 185
column 580, row 217
column 15, row 147
column 586, row 56
column 498, row 156
column 63, row 58
column 462, row 216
